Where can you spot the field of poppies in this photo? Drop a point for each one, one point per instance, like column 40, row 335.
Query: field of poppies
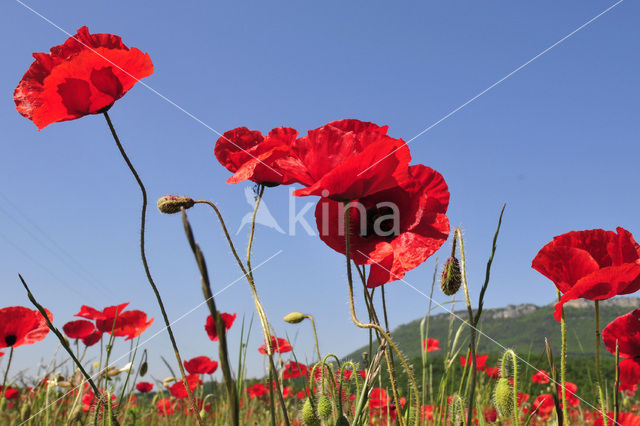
column 386, row 216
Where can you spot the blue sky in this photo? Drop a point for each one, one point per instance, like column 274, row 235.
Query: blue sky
column 557, row 141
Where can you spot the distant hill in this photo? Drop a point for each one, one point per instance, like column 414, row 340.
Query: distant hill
column 520, row 327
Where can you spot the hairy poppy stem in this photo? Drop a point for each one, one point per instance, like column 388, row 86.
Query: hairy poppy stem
column 315, row 335
column 503, row 371
column 6, row 373
column 63, row 342
column 143, row 218
column 261, row 313
column 598, row 368
column 563, row 363
column 359, row 324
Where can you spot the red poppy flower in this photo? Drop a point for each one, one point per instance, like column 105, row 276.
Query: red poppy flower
column 594, row 264
column 22, row 326
column 629, row 374
column 165, row 407
column 179, row 391
column 79, row 329
column 251, row 156
column 1, row 353
column 10, row 393
column 624, row 419
column 362, row 374
column 393, row 230
column 144, row 387
column 201, row 365
column 378, row 398
column 114, row 320
column 481, row 361
column 210, row 325
column 346, row 160
column 85, row 75
column 92, row 339
column 493, row 372
column 279, row 345
column 543, row 405
column 294, row 369
column 541, row 377
column 626, row 331
column 571, row 388
column 257, row 390
column 431, row 344
column 491, row 415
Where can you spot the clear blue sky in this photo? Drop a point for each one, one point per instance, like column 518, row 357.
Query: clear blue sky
column 558, row 142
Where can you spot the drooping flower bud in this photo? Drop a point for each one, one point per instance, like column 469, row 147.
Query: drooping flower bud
column 324, row 408
column 143, row 369
column 503, row 397
column 294, row 317
column 170, row 204
column 309, row 416
column 451, row 278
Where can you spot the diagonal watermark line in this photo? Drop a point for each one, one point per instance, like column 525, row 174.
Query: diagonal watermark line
column 451, row 312
column 155, row 335
column 145, row 85
column 425, row 130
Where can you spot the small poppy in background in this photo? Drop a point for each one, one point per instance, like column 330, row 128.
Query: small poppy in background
column 624, row 419
column 9, row 393
column 22, row 326
column 430, row 344
column 83, row 76
column 79, row 329
column 144, row 387
column 201, row 365
column 571, row 389
column 116, row 321
column 278, row 344
column 629, row 375
column 541, row 377
column 493, row 372
column 594, row 264
column 481, row 361
column 543, row 405
column 165, row 407
column 625, row 330
column 1, row 353
column 210, row 325
column 257, row 390
column 179, row 391
column 362, row 374
column 491, row 415
column 294, row 369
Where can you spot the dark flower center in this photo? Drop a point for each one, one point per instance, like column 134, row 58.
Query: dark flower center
column 380, row 222
column 10, row 339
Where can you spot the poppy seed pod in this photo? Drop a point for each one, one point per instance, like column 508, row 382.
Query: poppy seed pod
column 294, row 317
column 170, row 204
column 324, row 408
column 503, row 397
column 451, row 278
column 309, row 416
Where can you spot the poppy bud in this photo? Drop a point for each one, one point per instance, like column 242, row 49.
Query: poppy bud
column 170, row 204
column 324, row 408
column 451, row 278
column 309, row 417
column 503, row 397
column 143, row 368
column 294, row 317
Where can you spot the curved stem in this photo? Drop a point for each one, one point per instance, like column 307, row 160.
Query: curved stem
column 380, row 330
column 598, row 368
column 226, row 233
column 143, row 218
column 6, row 373
column 315, row 335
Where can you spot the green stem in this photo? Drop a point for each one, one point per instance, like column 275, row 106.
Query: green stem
column 616, row 386
column 6, row 373
column 603, row 407
column 563, row 364
column 143, row 218
column 315, row 335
